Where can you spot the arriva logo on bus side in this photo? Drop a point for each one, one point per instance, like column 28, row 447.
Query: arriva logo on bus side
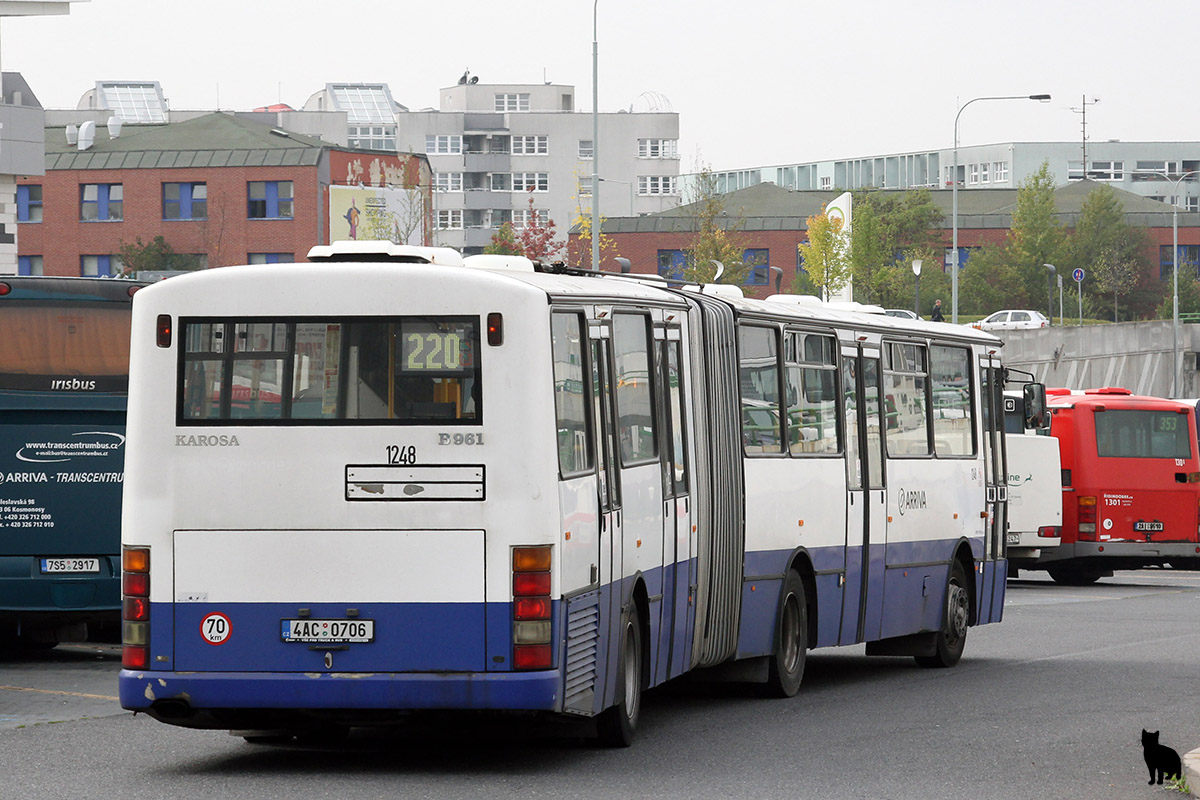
column 183, row 440
column 910, row 500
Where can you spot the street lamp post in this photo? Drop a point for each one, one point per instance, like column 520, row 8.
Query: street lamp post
column 954, row 194
column 1174, row 275
column 916, row 267
column 595, row 145
column 1051, row 271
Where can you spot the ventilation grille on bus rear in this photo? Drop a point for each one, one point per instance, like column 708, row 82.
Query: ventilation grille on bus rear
column 583, row 638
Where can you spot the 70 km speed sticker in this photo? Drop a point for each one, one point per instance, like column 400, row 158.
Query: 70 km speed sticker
column 215, row 628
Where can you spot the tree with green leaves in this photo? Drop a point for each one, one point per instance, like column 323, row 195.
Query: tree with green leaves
column 1103, row 244
column 504, row 242
column 1036, row 238
column 888, row 232
column 156, row 255
column 715, row 239
column 825, row 255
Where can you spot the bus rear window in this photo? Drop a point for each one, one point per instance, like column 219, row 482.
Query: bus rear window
column 64, row 347
column 1127, row 433
column 410, row 370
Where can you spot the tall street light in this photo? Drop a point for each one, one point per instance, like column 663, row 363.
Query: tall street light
column 1051, row 271
column 1174, row 272
column 595, row 145
column 916, row 268
column 1043, row 98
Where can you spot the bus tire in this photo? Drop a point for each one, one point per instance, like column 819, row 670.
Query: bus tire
column 1073, row 576
column 952, row 638
column 791, row 640
column 615, row 726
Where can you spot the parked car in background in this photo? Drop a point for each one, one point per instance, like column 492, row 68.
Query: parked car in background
column 1011, row 320
column 901, row 312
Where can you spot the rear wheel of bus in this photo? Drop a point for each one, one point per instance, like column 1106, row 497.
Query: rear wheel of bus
column 616, row 726
column 791, row 640
column 952, row 638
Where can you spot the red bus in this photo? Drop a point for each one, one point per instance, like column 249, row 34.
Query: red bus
column 1131, row 484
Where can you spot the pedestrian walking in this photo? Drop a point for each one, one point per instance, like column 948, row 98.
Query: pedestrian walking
column 937, row 315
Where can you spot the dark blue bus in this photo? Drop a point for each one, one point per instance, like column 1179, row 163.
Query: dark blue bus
column 64, row 375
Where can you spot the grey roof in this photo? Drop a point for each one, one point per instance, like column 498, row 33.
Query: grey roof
column 213, row 140
column 767, row 207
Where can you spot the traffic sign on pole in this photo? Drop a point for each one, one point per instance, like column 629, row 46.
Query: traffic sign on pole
column 1078, row 275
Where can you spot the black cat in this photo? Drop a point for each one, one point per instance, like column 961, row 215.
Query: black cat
column 1162, row 760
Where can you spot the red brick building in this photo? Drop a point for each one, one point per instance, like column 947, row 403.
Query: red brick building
column 775, row 222
column 226, row 189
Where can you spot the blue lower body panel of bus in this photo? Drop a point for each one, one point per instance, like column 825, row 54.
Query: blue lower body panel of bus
column 219, row 699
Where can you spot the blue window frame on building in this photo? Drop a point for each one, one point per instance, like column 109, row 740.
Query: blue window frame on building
column 99, row 266
column 30, row 265
column 29, row 203
column 101, row 202
column 672, row 263
column 185, row 201
column 759, row 261
column 269, row 199
column 964, row 255
column 270, row 258
column 1189, row 258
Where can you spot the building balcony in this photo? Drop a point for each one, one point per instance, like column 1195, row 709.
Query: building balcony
column 487, row 162
column 482, row 199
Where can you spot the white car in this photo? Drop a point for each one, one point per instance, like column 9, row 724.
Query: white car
column 901, row 312
column 1011, row 320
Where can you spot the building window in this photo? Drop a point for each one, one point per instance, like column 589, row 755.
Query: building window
column 99, row 266
column 983, row 172
column 515, row 101
column 999, row 171
column 826, row 183
column 658, row 148
column 758, row 260
column 501, row 182
column 373, row 137
column 270, row 199
column 30, row 265
column 1189, row 260
column 530, row 145
column 1107, row 170
column 99, row 202
column 656, row 184
column 29, row 203
column 672, row 263
column 270, row 258
column 585, row 186
column 528, row 218
column 531, row 181
column 443, row 144
column 447, row 181
column 972, row 174
column 450, row 219
column 587, row 149
column 185, row 201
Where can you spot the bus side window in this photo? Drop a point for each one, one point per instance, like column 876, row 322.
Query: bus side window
column 570, row 401
column 635, row 408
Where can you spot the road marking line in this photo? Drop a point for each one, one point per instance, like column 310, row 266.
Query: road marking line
column 53, row 691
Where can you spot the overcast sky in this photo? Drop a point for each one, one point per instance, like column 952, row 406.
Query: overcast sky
column 756, row 82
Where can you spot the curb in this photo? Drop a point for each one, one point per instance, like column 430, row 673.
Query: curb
column 1191, row 771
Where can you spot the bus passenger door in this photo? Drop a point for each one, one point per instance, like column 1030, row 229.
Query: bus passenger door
column 862, row 596
column 990, row 583
column 677, row 561
column 609, row 489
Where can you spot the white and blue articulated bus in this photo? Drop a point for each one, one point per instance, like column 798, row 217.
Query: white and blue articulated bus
column 359, row 487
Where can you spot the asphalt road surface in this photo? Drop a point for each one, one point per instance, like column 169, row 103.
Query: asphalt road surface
column 1048, row 704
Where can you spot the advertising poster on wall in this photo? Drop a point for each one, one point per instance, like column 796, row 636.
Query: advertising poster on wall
column 385, row 213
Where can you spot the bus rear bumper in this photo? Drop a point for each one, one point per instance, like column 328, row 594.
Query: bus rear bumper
column 245, row 699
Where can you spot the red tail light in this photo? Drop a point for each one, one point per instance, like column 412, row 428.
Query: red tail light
column 1087, row 519
column 532, row 628
column 1050, row 531
column 135, row 607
